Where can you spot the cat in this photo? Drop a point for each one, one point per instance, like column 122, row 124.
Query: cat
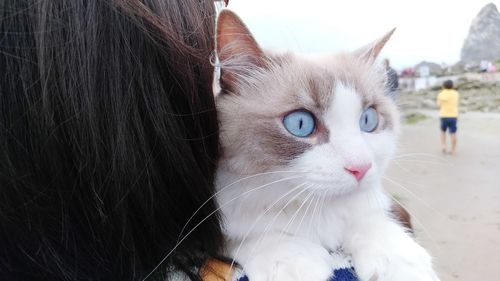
column 304, row 143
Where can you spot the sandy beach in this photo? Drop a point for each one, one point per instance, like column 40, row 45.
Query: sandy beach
column 454, row 200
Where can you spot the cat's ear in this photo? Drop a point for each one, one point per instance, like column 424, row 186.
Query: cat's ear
column 237, row 50
column 234, row 39
column 371, row 51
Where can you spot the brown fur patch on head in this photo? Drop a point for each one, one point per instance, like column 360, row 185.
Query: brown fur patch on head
column 251, row 119
column 283, row 148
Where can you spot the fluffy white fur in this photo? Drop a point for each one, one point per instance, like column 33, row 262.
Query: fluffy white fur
column 282, row 221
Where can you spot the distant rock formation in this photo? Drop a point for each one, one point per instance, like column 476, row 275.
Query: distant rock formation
column 483, row 41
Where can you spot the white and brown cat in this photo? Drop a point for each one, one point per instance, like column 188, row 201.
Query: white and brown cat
column 304, row 145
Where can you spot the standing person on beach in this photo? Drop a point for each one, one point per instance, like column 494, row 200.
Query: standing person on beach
column 447, row 101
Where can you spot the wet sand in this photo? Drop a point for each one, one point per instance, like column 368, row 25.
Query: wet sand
column 454, row 200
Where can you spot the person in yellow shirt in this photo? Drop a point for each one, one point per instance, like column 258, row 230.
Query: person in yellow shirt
column 447, row 101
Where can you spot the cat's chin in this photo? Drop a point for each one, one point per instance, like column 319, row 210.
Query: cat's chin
column 342, row 179
column 342, row 184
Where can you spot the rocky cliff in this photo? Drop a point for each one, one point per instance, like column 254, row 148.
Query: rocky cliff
column 483, row 40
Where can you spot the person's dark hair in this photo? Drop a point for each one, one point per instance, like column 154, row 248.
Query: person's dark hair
column 108, row 138
column 448, row 84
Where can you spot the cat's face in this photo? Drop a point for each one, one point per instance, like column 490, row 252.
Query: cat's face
column 328, row 119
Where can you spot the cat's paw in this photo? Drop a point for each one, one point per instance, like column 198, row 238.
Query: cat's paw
column 287, row 259
column 414, row 265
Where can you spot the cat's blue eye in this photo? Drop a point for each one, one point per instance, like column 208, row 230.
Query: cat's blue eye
column 369, row 120
column 300, row 123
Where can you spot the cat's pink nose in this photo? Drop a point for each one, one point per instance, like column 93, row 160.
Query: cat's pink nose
column 359, row 171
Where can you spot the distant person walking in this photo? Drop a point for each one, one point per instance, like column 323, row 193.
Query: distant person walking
column 392, row 79
column 447, row 101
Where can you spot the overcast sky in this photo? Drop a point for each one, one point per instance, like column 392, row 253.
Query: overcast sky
column 431, row 30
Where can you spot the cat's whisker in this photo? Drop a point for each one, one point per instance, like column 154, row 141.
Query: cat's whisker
column 292, row 219
column 211, row 214
column 249, row 231
column 315, row 218
column 408, row 183
column 320, row 212
column 284, row 231
column 424, row 229
column 423, row 162
column 434, row 210
column 226, row 187
column 421, row 157
column 430, row 155
column 305, row 213
column 377, row 201
column 313, row 215
column 271, row 223
column 414, row 217
column 417, row 220
column 402, row 167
